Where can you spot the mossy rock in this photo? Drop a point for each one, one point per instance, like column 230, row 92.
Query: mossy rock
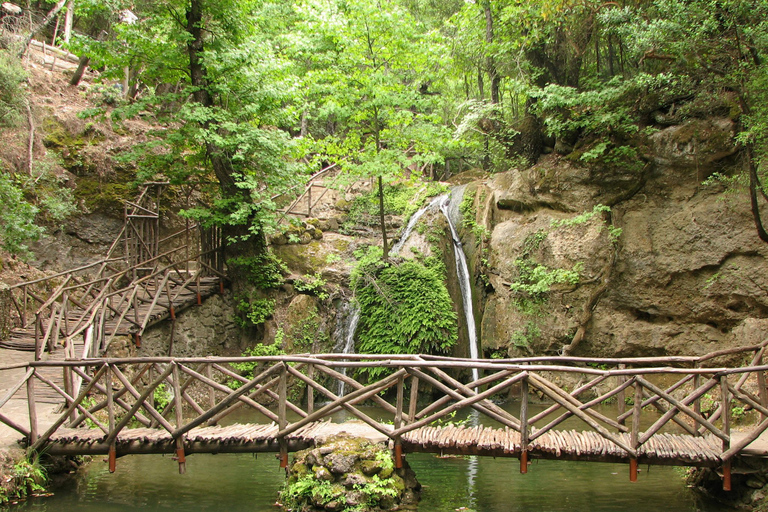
column 360, row 487
column 107, row 198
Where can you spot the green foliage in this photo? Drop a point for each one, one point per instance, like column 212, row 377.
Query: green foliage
column 17, row 219
column 253, row 311
column 401, row 199
column 613, row 232
column 306, row 332
column 535, row 281
column 264, row 271
column 312, row 285
column 405, row 308
column 523, row 338
column 162, row 397
column 468, row 216
column 26, row 478
column 306, row 490
column 582, row 218
column 12, row 93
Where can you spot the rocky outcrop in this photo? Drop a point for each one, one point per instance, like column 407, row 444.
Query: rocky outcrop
column 686, row 275
column 346, row 474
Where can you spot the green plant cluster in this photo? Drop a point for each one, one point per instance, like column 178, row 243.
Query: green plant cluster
column 405, row 308
column 523, row 338
column 26, row 478
column 312, row 285
column 308, row 489
column 12, row 94
column 535, row 281
column 468, row 219
column 162, row 397
column 613, row 231
column 306, row 332
column 400, row 199
column 264, row 271
column 17, row 219
column 254, row 311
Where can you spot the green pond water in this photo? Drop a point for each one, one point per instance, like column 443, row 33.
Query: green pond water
column 242, row 482
column 245, row 483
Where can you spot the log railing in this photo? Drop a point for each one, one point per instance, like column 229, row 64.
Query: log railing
column 119, row 394
column 110, row 296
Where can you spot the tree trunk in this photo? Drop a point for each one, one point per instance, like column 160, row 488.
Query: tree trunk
column 68, row 20
column 381, row 218
column 238, row 239
column 490, row 63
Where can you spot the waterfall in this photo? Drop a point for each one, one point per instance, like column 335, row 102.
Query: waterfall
column 346, row 338
column 462, row 271
column 412, row 224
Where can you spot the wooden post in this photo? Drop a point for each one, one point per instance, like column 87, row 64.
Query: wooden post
column 524, row 426
column 282, row 420
column 24, row 307
column 32, row 410
column 697, row 402
column 310, row 390
column 178, row 405
column 413, row 401
column 637, row 410
column 211, row 390
column 762, row 392
column 621, row 403
column 398, row 423
column 726, row 414
column 38, row 345
column 111, row 413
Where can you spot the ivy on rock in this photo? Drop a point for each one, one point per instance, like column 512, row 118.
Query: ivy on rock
column 405, row 308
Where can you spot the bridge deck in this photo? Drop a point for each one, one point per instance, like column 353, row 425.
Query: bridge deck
column 671, row 449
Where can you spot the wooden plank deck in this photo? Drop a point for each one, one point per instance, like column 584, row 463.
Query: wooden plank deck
column 665, row 449
column 24, row 338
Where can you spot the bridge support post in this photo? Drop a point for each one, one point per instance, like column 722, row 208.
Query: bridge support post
column 282, row 414
column 524, row 426
column 111, row 417
column 178, row 407
column 726, row 415
column 637, row 409
column 112, row 458
column 727, row 475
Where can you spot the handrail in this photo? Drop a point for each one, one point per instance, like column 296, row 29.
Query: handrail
column 606, row 437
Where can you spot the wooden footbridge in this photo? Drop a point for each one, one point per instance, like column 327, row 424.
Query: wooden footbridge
column 142, row 280
column 666, row 410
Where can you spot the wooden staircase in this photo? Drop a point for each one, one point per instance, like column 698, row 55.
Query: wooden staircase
column 77, row 313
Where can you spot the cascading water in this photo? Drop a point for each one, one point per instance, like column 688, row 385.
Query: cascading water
column 462, row 271
column 449, row 209
column 346, row 339
column 412, row 224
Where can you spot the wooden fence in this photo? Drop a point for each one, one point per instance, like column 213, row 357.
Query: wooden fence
column 120, row 399
column 121, row 294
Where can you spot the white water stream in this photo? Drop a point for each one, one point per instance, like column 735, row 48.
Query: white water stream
column 462, row 271
column 346, row 342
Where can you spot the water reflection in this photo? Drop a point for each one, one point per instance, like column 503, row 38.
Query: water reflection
column 241, row 482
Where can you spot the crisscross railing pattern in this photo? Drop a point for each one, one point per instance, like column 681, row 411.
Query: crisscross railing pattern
column 160, row 405
column 117, row 295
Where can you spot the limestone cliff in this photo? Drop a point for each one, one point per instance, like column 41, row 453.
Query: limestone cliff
column 686, row 274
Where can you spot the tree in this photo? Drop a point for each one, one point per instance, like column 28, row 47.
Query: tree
column 215, row 53
column 371, row 71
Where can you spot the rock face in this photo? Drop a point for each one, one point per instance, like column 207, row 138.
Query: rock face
column 686, row 275
column 348, row 473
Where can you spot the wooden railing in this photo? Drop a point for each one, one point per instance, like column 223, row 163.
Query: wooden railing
column 116, row 393
column 119, row 294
